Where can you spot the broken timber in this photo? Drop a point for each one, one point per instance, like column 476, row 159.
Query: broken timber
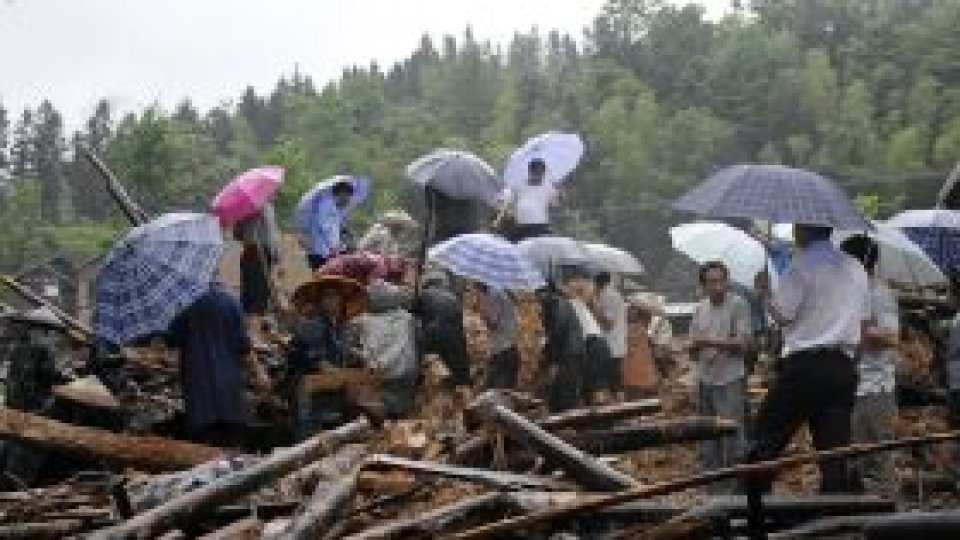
column 131, row 209
column 191, row 504
column 592, row 416
column 323, row 509
column 624, row 439
column 496, row 479
column 432, row 523
column 583, row 468
column 580, row 508
column 153, row 454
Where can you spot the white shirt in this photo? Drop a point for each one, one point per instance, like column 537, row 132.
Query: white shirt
column 532, row 203
column 615, row 310
column 587, row 321
column 823, row 297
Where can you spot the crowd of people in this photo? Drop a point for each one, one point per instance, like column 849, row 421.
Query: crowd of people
column 826, row 325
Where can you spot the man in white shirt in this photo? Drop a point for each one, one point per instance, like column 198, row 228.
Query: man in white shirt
column 820, row 303
column 530, row 203
column 611, row 311
column 719, row 335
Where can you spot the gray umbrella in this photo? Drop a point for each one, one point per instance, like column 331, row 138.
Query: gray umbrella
column 456, row 174
column 775, row 193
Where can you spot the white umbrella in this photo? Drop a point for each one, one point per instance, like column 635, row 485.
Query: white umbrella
column 612, row 260
column 709, row 241
column 561, row 152
column 901, row 260
column 548, row 253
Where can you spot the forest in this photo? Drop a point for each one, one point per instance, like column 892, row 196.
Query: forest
column 863, row 91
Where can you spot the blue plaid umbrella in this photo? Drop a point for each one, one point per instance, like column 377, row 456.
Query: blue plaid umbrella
column 936, row 231
column 488, row 259
column 774, row 193
column 155, row 273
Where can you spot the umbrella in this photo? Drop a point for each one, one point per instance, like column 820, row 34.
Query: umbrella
column 246, row 194
column 707, row 241
column 775, row 193
column 313, row 200
column 613, row 260
column 561, row 152
column 901, row 260
column 549, row 252
column 153, row 274
column 936, row 231
column 352, row 294
column 488, row 259
column 456, row 174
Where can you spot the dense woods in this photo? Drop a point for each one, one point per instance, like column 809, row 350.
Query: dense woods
column 863, row 90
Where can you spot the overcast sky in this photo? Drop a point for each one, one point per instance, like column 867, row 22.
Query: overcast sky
column 134, row 52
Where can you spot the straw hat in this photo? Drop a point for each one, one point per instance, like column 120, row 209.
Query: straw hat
column 352, row 293
column 398, row 218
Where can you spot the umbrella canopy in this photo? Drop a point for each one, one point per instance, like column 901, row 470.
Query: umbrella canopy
column 155, row 273
column 708, row 241
column 901, row 260
column 321, row 193
column 936, row 231
column 775, row 193
column 613, row 260
column 352, row 294
column 548, row 253
column 456, row 174
column 561, row 152
column 365, row 267
column 488, row 259
column 246, row 194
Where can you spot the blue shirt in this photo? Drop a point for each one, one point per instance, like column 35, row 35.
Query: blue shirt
column 323, row 228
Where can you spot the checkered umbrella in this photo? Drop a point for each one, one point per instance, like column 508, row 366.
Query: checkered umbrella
column 901, row 260
column 936, row 231
column 488, row 259
column 774, row 193
column 155, row 273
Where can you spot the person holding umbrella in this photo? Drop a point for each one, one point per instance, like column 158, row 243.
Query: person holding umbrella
column 322, row 214
column 530, row 203
column 820, row 303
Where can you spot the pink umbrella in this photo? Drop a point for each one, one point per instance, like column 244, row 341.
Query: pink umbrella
column 246, row 194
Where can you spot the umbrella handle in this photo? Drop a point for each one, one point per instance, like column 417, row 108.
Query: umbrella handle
column 422, row 256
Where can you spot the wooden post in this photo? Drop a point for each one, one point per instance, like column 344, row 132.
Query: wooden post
column 147, row 453
column 585, row 469
column 282, row 462
column 132, row 210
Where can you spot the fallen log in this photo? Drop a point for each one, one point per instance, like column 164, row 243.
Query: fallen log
column 687, row 526
column 496, row 479
column 53, row 529
column 434, row 522
column 245, row 529
column 323, row 509
column 579, row 508
column 619, row 440
column 117, row 192
column 594, row 416
column 582, row 467
column 154, row 454
column 927, row 525
column 280, row 463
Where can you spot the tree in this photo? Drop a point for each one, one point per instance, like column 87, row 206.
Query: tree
column 4, row 138
column 49, row 149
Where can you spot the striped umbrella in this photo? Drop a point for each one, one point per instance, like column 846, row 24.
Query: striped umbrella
column 489, row 259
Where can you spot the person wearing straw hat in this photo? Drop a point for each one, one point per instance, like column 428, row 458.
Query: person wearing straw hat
column 389, row 235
